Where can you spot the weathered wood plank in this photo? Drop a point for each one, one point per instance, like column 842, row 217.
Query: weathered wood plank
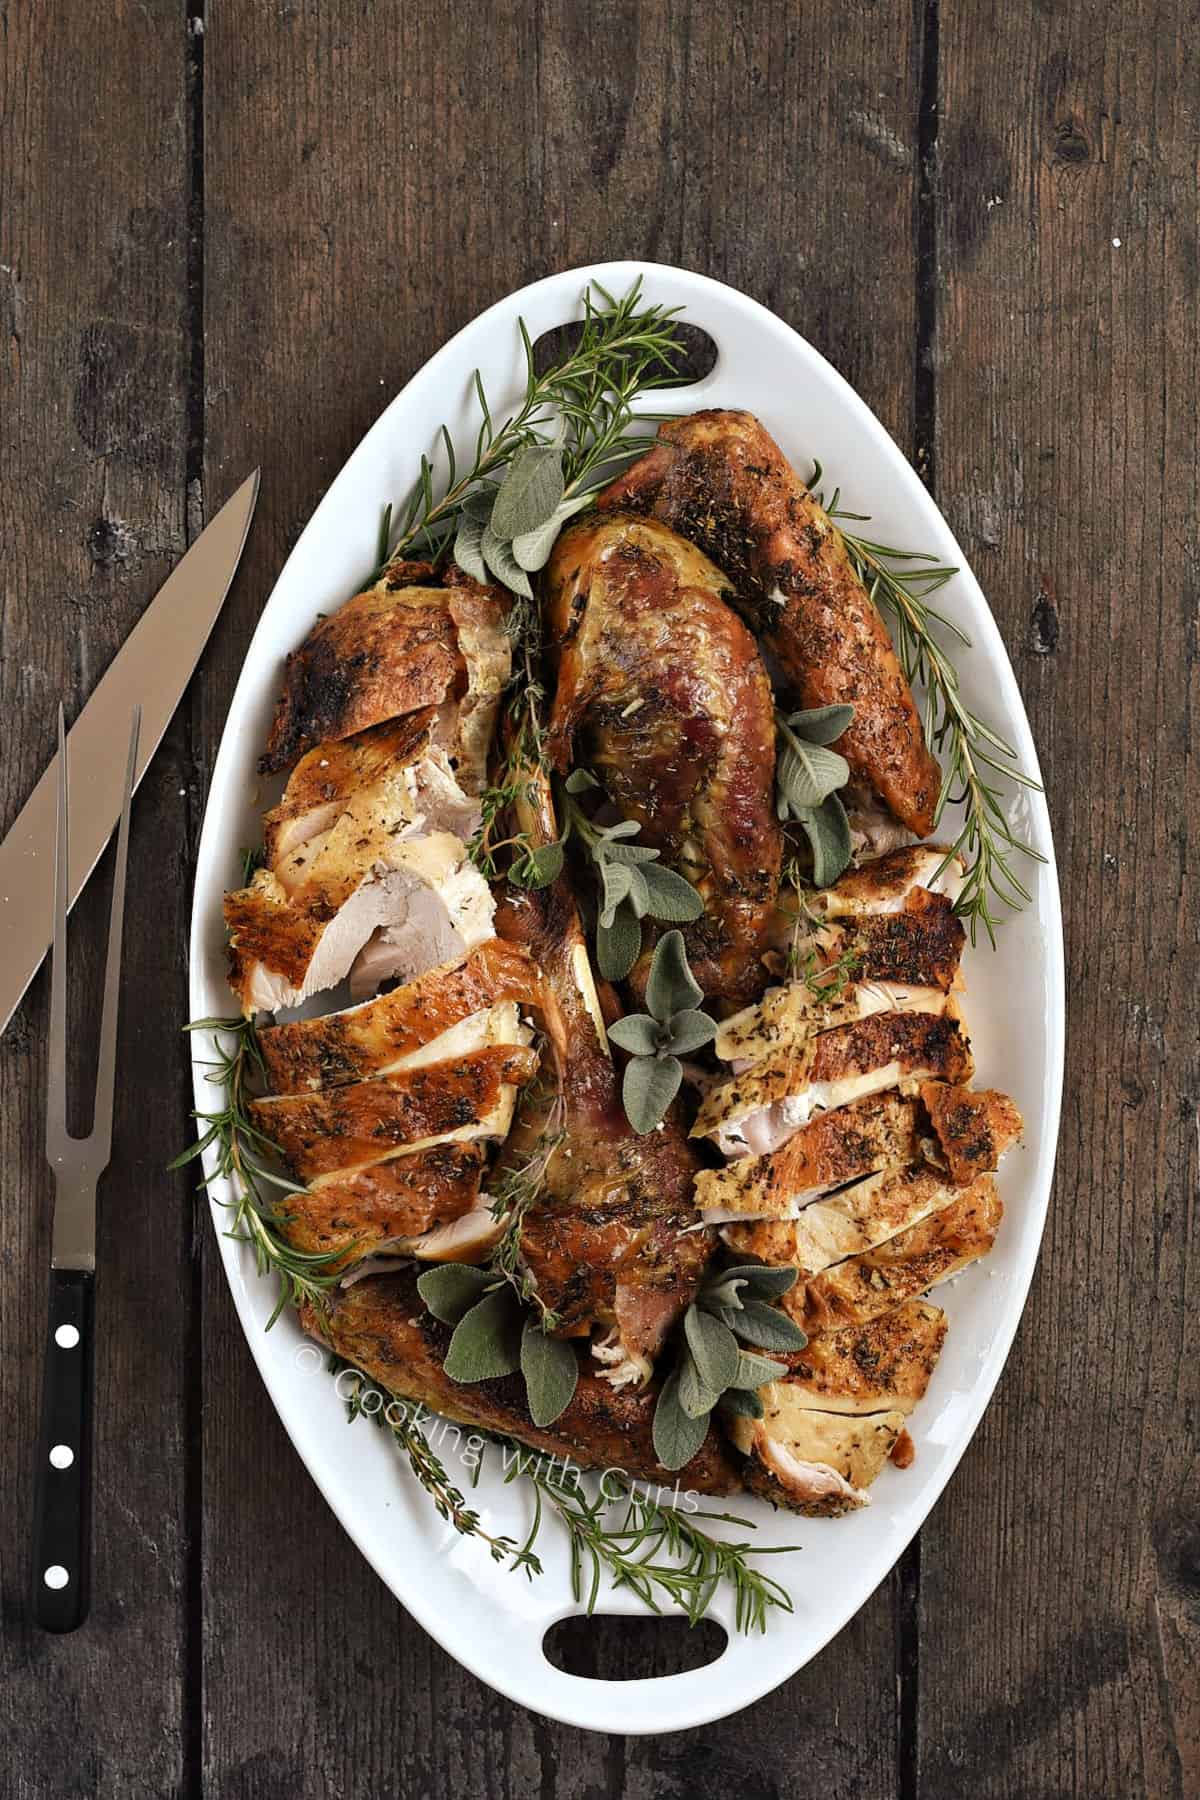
column 92, row 397
column 1060, row 1645
column 371, row 182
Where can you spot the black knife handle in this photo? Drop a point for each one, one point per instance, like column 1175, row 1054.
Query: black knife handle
column 62, row 1507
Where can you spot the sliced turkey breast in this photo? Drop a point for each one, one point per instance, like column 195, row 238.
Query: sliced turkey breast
column 422, row 895
column 351, row 1127
column 863, row 1287
column 884, row 884
column 755, row 1112
column 786, row 1016
column 833, row 1148
column 974, row 1129
column 392, row 650
column 855, row 1219
column 919, row 945
column 385, row 1034
column 883, row 1366
column 816, row 1463
column 357, row 1212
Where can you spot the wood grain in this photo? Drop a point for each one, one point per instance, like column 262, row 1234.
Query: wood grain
column 92, row 399
column 229, row 238
column 1060, row 1599
column 369, row 191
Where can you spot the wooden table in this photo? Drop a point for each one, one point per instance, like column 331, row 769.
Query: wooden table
column 227, row 239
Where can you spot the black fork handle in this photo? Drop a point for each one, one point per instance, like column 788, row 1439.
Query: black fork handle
column 62, row 1508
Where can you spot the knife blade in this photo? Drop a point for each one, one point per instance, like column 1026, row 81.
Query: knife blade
column 151, row 669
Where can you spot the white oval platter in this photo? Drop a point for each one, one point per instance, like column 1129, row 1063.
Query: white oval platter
column 491, row 1619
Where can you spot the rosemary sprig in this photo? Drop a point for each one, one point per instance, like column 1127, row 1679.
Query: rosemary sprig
column 584, row 403
column 659, row 1552
column 971, row 752
column 240, row 1148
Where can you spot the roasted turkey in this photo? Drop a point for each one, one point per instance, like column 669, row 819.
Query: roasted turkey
column 661, row 692
column 723, row 482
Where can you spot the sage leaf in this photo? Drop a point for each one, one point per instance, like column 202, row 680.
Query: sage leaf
column 763, row 1282
column 639, row 893
column 479, row 502
column 689, row 1030
column 724, row 1296
column 617, row 879
column 671, row 987
column 530, row 491
column 713, row 1347
column 638, row 1033
column 828, row 831
column 695, row 1396
column 468, row 548
column 768, row 1328
column 755, row 1371
column 452, row 1289
column 743, row 1403
column 676, row 1437
column 532, row 548
column 579, row 781
column 649, row 1086
column 806, row 774
column 497, row 554
column 629, row 853
column 538, row 868
column 551, row 1371
column 821, row 724
column 618, row 945
column 622, row 829
column 486, row 1342
column 671, row 898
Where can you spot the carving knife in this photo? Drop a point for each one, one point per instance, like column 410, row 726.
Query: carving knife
column 151, row 670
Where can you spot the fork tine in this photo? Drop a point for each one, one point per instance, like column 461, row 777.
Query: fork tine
column 56, row 1064
column 100, row 1139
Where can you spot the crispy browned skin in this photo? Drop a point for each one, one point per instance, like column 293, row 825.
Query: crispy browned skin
column 973, row 1128
column 611, row 1239
column 919, row 1043
column 326, row 779
column 864, row 1287
column 348, row 1046
column 874, row 1367
column 661, row 691
column 922, row 944
column 364, row 1208
column 347, row 1127
column 380, row 1326
column 834, row 1147
column 387, row 652
column 720, row 479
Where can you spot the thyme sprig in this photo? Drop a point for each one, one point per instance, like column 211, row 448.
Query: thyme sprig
column 971, row 752
column 516, row 1190
column 449, row 1501
column 583, row 404
column 235, row 1069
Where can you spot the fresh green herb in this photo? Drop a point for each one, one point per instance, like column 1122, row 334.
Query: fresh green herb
column 970, row 750
column 241, row 1152
column 633, row 884
column 712, row 1369
column 655, row 1040
column 807, row 777
column 253, row 858
column 662, row 1554
column 449, row 1501
column 573, row 429
column 513, row 1193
